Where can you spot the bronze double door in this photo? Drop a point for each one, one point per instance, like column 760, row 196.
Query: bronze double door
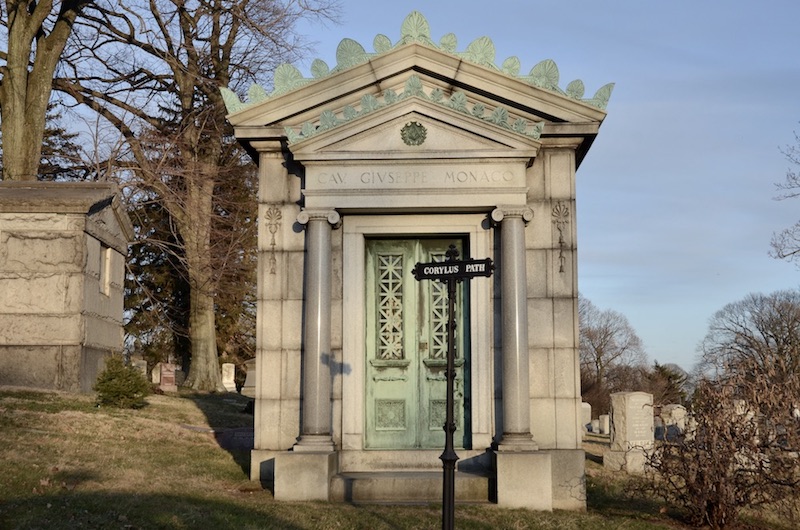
column 406, row 347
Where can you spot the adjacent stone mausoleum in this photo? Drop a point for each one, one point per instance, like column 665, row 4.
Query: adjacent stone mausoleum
column 374, row 165
column 62, row 265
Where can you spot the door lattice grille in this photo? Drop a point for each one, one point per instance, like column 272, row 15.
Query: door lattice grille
column 390, row 307
column 438, row 294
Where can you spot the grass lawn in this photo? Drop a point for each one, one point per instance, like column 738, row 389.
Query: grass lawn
column 65, row 463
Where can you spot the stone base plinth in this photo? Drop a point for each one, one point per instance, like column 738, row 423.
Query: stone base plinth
column 262, row 467
column 304, row 476
column 569, row 479
column 631, row 461
column 524, row 480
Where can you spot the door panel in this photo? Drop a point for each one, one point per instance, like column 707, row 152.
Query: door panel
column 406, row 338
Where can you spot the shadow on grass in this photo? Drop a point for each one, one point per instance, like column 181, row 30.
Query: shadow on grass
column 230, row 421
column 134, row 511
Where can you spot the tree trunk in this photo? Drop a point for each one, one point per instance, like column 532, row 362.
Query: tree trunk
column 204, row 371
column 195, row 226
column 27, row 81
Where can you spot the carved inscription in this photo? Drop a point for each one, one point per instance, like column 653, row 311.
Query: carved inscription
column 433, row 176
column 641, row 429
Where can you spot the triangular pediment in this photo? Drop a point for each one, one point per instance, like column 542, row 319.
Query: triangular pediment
column 300, row 109
column 417, row 128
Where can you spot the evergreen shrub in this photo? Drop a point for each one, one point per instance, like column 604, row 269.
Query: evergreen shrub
column 121, row 386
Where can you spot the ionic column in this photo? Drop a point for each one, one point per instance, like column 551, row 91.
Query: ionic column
column 514, row 307
column 317, row 357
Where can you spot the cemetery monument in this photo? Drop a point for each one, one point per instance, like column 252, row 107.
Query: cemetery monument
column 62, row 265
column 366, row 168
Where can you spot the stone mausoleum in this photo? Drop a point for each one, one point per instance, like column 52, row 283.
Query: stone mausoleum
column 367, row 168
column 62, row 266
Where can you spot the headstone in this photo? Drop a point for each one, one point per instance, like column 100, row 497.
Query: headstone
column 140, row 365
column 631, row 430
column 155, row 374
column 586, row 416
column 249, row 388
column 167, row 378
column 673, row 418
column 596, row 426
column 229, row 376
column 605, row 426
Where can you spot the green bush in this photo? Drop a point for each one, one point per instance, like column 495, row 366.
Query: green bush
column 121, row 386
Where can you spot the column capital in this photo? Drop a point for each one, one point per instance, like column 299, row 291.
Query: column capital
column 331, row 216
column 522, row 211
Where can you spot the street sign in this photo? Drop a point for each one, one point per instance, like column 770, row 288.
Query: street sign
column 453, row 270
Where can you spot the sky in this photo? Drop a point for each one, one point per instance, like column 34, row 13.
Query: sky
column 676, row 198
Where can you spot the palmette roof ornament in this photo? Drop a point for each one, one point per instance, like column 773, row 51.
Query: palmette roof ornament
column 415, row 29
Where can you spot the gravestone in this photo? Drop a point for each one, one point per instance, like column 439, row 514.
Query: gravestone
column 140, row 365
column 595, row 426
column 672, row 422
column 155, row 374
column 631, row 430
column 229, row 376
column 167, row 381
column 249, row 387
column 605, row 424
column 586, row 416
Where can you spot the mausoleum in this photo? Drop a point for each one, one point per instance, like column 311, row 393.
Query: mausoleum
column 62, row 266
column 367, row 168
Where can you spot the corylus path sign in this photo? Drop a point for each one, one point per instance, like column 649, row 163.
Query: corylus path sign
column 451, row 271
column 456, row 270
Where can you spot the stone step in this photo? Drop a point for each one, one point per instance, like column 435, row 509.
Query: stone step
column 407, row 487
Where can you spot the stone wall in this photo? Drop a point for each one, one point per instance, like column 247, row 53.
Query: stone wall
column 62, row 256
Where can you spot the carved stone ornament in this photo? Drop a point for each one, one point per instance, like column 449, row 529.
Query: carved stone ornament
column 501, row 212
column 561, row 220
column 414, row 133
column 331, row 216
column 272, row 218
column 415, row 28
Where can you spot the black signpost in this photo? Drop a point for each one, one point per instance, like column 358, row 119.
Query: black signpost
column 451, row 271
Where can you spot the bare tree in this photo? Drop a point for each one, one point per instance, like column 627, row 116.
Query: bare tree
column 153, row 70
column 786, row 243
column 611, row 354
column 760, row 330
column 34, row 35
column 607, row 339
column 742, row 453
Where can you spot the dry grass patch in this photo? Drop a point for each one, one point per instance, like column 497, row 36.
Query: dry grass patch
column 66, row 464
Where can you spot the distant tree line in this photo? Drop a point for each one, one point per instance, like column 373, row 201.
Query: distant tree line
column 613, row 359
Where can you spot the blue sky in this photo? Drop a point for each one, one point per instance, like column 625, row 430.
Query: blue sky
column 675, row 199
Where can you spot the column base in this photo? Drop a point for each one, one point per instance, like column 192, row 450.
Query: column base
column 524, row 480
column 314, row 443
column 515, row 442
column 304, row 476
